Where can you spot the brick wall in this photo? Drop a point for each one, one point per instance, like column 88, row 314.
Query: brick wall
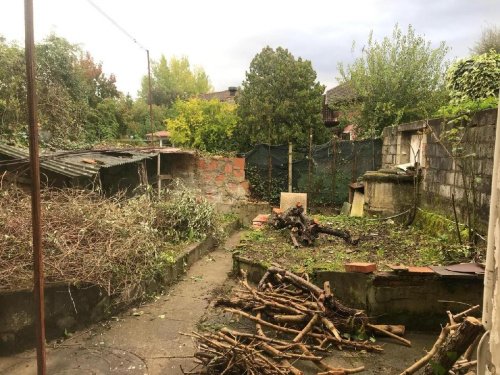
column 442, row 176
column 222, row 179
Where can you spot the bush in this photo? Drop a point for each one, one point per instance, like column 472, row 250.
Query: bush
column 185, row 215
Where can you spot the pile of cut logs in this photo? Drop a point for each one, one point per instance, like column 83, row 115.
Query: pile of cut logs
column 303, row 229
column 295, row 320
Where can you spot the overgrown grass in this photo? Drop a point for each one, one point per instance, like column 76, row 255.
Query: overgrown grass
column 382, row 242
column 119, row 244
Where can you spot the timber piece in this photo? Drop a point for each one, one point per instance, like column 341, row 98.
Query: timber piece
column 309, row 326
column 263, row 281
column 331, row 327
column 390, row 334
column 280, row 318
column 297, row 281
column 270, row 362
column 463, row 314
column 346, row 343
column 396, row 329
column 293, row 236
column 343, row 371
column 454, row 346
column 422, row 361
column 327, row 290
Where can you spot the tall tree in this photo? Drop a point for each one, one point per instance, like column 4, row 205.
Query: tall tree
column 204, row 124
column 396, row 80
column 489, row 40
column 172, row 80
column 71, row 90
column 280, row 100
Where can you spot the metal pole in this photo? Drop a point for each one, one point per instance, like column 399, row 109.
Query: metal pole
column 150, row 99
column 309, row 164
column 35, row 188
column 290, row 166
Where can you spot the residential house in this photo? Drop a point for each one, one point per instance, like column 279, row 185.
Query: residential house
column 227, row 96
column 335, row 98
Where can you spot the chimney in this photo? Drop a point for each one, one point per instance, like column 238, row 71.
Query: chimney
column 232, row 90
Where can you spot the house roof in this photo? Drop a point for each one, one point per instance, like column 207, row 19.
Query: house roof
column 160, row 134
column 76, row 163
column 341, row 93
column 223, row 96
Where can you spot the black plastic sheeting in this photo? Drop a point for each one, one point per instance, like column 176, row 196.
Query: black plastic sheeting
column 342, row 164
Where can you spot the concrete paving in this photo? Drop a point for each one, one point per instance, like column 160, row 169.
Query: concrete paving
column 145, row 340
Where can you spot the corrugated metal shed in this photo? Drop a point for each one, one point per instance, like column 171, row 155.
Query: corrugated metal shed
column 78, row 163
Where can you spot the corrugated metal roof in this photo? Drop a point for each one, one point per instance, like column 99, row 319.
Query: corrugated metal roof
column 78, row 163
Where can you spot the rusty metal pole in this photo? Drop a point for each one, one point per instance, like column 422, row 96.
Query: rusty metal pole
column 35, row 188
column 150, row 99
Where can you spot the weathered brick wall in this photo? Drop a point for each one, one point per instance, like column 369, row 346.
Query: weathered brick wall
column 442, row 176
column 222, row 179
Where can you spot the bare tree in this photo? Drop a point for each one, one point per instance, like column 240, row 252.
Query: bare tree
column 490, row 39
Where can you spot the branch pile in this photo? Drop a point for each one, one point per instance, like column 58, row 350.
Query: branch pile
column 307, row 322
column 303, row 229
column 452, row 351
column 116, row 243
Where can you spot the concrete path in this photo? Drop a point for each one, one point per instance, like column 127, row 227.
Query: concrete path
column 141, row 341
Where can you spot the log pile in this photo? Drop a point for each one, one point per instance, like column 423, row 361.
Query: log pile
column 303, row 229
column 452, row 351
column 294, row 320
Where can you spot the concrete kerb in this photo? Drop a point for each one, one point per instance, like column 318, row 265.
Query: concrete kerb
column 419, row 301
column 70, row 307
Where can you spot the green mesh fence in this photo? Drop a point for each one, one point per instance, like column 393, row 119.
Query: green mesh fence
column 325, row 176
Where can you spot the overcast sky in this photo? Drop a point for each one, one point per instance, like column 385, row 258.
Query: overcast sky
column 223, row 36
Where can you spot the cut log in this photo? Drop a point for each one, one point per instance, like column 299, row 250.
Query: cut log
column 454, row 346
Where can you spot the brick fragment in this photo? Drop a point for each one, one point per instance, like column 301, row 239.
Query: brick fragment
column 360, row 267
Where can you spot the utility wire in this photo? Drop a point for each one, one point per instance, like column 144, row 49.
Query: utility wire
column 117, row 25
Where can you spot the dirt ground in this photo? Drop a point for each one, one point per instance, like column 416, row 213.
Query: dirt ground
column 148, row 339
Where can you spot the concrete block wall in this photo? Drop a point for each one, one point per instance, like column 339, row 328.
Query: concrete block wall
column 442, row 176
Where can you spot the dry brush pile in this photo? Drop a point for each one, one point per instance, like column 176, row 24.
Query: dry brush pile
column 294, row 320
column 115, row 243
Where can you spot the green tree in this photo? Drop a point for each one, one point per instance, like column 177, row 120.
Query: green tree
column 280, row 100
column 71, row 88
column 475, row 78
column 204, row 124
column 12, row 89
column 489, row 40
column 396, row 80
column 172, row 80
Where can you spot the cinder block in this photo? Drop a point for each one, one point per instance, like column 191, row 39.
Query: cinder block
column 360, row 267
column 288, row 200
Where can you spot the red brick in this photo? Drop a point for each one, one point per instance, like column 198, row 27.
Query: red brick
column 212, row 166
column 360, row 267
column 228, row 168
column 262, row 218
column 245, row 185
column 239, row 163
column 239, row 173
column 201, row 164
column 420, row 270
column 220, row 178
